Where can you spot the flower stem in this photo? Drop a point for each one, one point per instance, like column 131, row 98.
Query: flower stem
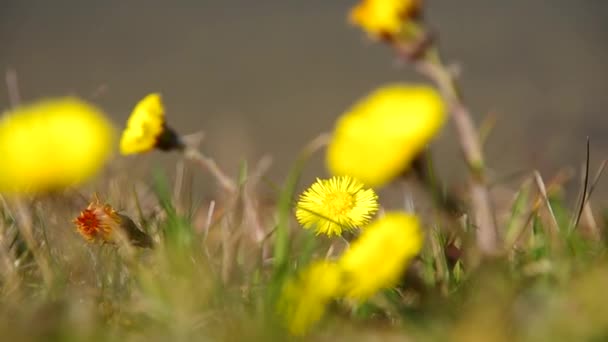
column 431, row 66
column 209, row 164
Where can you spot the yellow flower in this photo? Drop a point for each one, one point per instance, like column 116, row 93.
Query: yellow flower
column 379, row 256
column 101, row 223
column 383, row 18
column 303, row 299
column 52, row 144
column 146, row 128
column 336, row 204
column 379, row 137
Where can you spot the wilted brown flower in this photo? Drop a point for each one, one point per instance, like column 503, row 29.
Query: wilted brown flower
column 101, row 223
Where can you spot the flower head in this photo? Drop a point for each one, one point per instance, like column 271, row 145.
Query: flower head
column 336, row 204
column 99, row 222
column 303, row 299
column 146, row 128
column 380, row 255
column 383, row 18
column 52, row 144
column 379, row 137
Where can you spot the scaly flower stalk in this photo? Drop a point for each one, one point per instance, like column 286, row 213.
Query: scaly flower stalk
column 414, row 44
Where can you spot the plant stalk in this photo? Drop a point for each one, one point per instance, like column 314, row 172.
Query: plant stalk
column 430, row 65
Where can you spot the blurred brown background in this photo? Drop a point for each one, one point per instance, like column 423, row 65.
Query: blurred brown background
column 264, row 77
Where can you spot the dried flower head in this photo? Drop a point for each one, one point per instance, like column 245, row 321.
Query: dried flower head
column 101, row 223
column 146, row 128
column 98, row 222
column 378, row 138
column 333, row 205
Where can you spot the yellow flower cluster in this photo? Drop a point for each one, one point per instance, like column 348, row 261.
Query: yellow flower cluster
column 52, row 144
column 333, row 205
column 372, row 263
column 380, row 136
column 383, row 18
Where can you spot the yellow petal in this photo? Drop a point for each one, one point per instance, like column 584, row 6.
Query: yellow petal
column 380, row 136
column 304, row 299
column 382, row 17
column 144, row 126
column 52, row 144
column 380, row 255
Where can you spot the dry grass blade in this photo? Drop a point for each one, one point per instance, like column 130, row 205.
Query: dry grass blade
column 517, row 220
column 597, row 177
column 26, row 227
column 10, row 276
column 587, row 211
column 209, row 164
column 486, row 127
column 180, row 172
column 584, row 196
column 590, row 220
column 250, row 206
column 543, row 191
column 208, row 220
column 555, row 182
column 12, row 84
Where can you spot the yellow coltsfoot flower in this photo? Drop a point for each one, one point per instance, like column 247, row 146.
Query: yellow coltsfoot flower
column 304, row 299
column 380, row 255
column 384, row 18
column 52, row 144
column 379, row 137
column 337, row 204
column 146, row 128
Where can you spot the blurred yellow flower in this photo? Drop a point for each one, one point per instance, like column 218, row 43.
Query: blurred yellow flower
column 303, row 299
column 379, row 137
column 379, row 256
column 383, row 18
column 336, row 204
column 146, row 128
column 52, row 144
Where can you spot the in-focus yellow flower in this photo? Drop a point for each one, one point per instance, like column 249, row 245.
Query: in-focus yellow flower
column 383, row 18
column 380, row 136
column 101, row 223
column 379, row 256
column 304, row 299
column 52, row 144
column 336, row 204
column 146, row 128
